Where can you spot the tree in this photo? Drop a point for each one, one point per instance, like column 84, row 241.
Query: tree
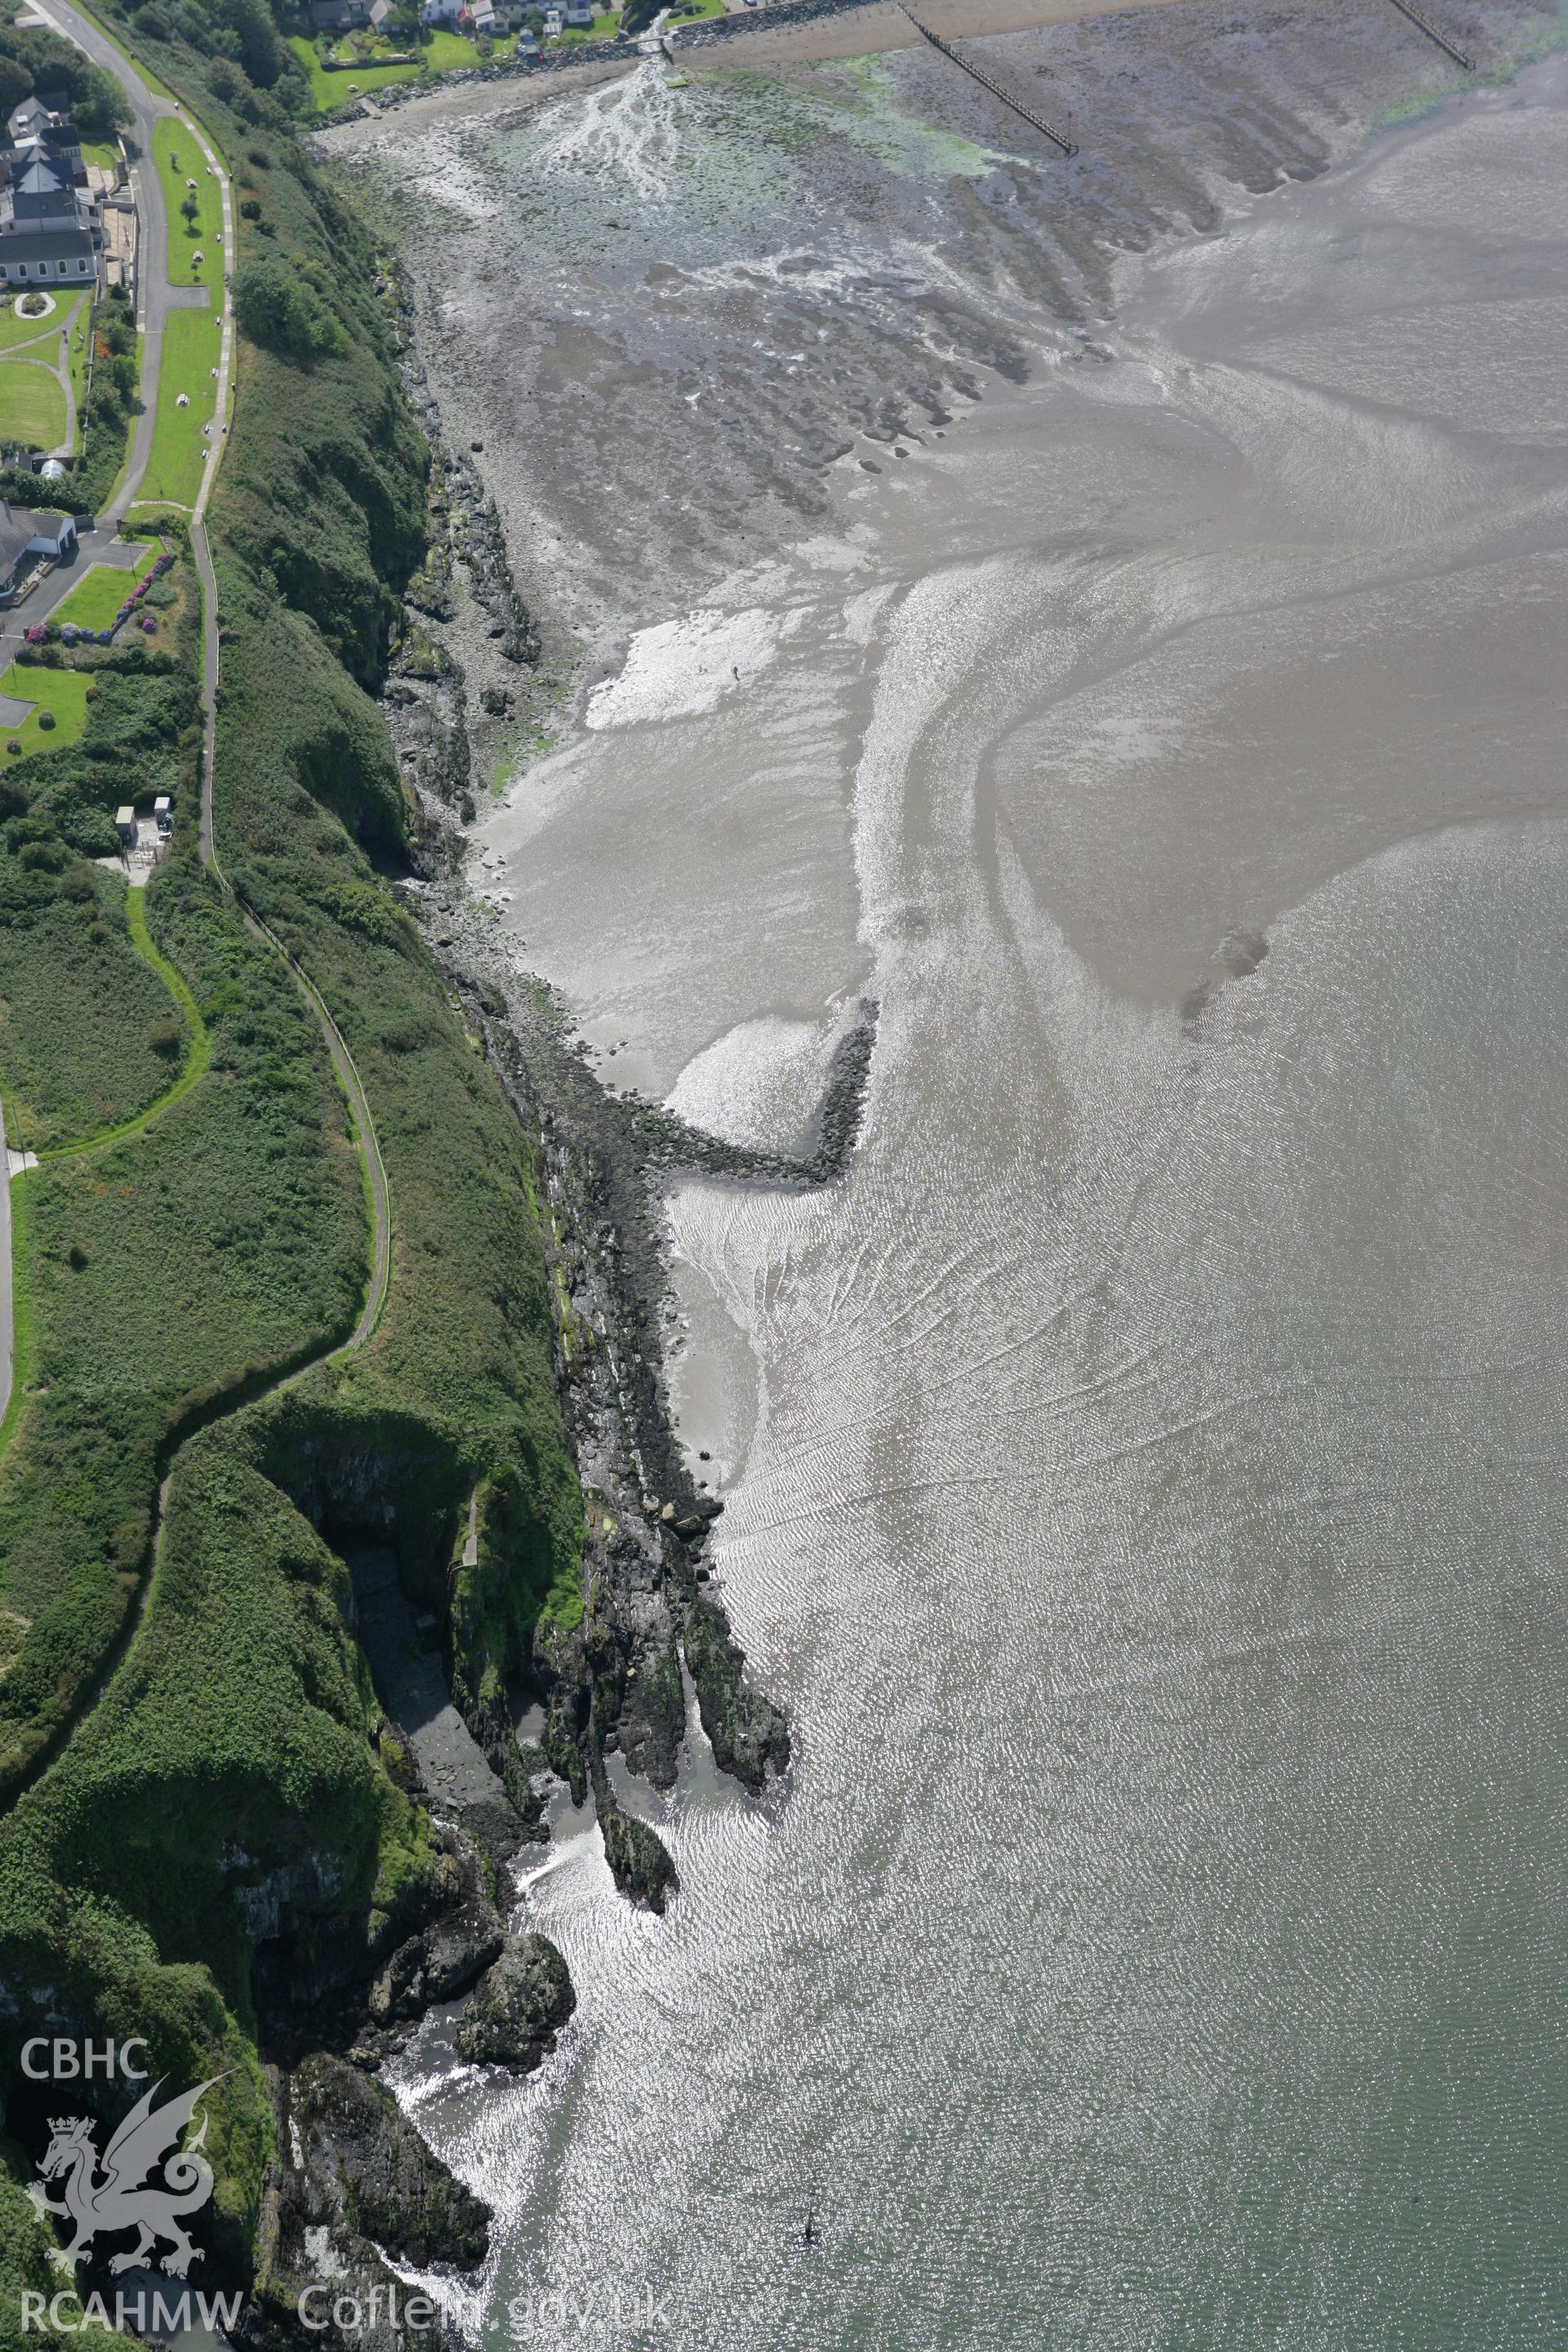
column 100, row 106
column 261, row 53
column 278, row 309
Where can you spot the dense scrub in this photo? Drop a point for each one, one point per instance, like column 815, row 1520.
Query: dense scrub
column 88, row 1032
column 217, row 1839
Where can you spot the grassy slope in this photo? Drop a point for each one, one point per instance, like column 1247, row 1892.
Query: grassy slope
column 242, row 1710
column 222, row 1236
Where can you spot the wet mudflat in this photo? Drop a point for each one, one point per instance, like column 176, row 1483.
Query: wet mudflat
column 1144, row 1471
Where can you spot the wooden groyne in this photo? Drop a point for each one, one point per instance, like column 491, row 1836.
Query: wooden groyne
column 1431, row 33
column 1038, row 121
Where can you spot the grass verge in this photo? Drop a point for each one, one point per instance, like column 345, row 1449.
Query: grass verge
column 192, row 340
column 179, row 162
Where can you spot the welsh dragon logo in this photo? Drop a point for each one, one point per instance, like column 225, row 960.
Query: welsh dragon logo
column 120, row 2196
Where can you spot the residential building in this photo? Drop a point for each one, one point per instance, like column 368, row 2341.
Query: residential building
column 25, row 532
column 28, row 119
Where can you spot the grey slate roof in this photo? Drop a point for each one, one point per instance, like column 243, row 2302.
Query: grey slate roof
column 13, row 538
column 27, row 116
column 45, row 241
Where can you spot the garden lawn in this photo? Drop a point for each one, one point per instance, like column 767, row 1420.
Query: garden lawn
column 32, row 402
column 98, row 594
column 179, row 159
column 330, row 90
column 446, row 52
column 63, row 691
column 15, row 330
column 104, row 152
column 192, row 340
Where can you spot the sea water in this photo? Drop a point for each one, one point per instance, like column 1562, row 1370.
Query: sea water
column 1145, row 1470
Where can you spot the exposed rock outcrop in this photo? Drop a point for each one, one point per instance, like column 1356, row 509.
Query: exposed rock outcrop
column 638, row 1861
column 447, row 1955
column 522, row 2002
column 358, row 2184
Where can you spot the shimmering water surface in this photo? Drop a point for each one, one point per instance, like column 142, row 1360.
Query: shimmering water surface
column 1146, row 1470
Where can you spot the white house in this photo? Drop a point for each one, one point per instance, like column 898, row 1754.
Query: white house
column 440, row 12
